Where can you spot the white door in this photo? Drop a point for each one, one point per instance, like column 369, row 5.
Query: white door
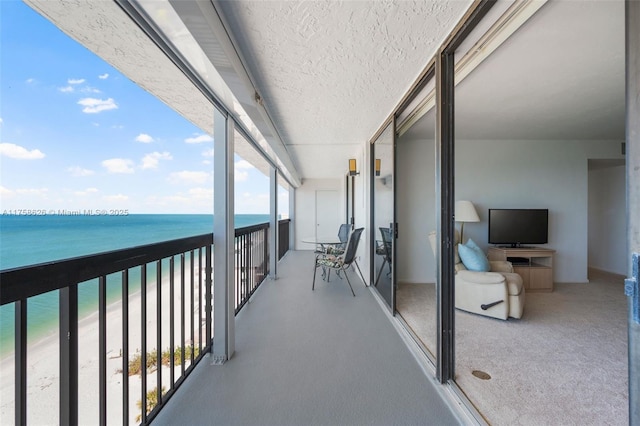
column 327, row 214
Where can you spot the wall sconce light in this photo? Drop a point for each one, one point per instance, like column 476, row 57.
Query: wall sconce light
column 378, row 164
column 353, row 171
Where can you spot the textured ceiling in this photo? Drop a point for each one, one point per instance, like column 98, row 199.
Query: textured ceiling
column 331, row 72
column 559, row 77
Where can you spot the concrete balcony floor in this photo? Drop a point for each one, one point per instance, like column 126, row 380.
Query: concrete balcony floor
column 307, row 357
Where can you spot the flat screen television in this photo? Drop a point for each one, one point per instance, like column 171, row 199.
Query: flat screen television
column 518, row 227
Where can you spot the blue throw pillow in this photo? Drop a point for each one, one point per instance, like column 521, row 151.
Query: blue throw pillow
column 473, row 257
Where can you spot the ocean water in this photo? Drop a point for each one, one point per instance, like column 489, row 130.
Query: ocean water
column 29, row 240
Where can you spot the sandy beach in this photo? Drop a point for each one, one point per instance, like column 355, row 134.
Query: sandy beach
column 43, row 361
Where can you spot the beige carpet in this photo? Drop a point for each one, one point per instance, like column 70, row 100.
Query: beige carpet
column 563, row 363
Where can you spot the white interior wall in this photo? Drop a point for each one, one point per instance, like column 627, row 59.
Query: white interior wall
column 305, row 207
column 501, row 174
column 415, row 210
column 607, row 220
column 305, row 199
column 305, row 203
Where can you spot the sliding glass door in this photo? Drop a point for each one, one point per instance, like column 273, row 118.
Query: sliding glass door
column 384, row 228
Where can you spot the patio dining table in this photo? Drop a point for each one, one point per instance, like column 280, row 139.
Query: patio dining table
column 321, row 245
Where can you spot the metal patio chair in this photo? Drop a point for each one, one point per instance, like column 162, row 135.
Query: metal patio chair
column 341, row 262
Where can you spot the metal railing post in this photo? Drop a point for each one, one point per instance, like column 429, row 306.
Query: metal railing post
column 69, row 355
column 102, row 347
column 125, row 347
column 208, row 287
column 20, row 327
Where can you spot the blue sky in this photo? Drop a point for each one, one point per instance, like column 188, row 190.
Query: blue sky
column 77, row 134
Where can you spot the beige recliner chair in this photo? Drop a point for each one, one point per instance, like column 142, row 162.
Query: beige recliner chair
column 498, row 293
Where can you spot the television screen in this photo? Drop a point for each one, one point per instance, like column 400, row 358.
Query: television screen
column 517, row 227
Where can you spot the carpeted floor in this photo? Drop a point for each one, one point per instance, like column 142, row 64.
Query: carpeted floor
column 563, row 363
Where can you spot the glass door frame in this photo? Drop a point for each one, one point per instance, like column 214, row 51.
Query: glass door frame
column 389, row 125
column 443, row 63
column 350, row 200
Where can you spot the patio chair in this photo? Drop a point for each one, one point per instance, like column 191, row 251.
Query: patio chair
column 334, row 249
column 341, row 262
column 384, row 250
column 343, row 237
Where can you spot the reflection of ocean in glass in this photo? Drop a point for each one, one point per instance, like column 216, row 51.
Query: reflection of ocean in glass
column 29, row 240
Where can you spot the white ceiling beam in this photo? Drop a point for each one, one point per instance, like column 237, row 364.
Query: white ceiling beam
column 206, row 26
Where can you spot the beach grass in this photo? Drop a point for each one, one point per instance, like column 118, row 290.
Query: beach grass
column 135, row 363
column 152, row 401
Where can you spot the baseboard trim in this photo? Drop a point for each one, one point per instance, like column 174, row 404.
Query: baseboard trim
column 614, row 275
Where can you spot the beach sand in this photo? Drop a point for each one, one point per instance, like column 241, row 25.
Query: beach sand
column 43, row 361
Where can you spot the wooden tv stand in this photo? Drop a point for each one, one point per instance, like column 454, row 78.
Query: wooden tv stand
column 533, row 264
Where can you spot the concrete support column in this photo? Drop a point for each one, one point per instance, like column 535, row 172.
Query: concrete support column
column 223, row 240
column 273, row 224
column 632, row 286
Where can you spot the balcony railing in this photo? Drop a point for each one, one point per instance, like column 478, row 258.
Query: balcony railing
column 252, row 257
column 180, row 268
column 283, row 237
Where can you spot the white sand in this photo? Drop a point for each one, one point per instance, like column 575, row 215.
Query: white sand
column 43, row 362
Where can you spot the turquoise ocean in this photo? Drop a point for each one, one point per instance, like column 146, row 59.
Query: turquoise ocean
column 29, row 240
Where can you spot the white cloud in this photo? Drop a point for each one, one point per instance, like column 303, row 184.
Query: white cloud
column 207, row 153
column 168, row 200
column 6, row 192
column 32, row 191
column 16, row 151
column 253, row 203
column 1, row 121
column 103, row 76
column 118, row 165
column 89, row 89
column 194, row 200
column 75, row 81
column 66, row 89
column 202, row 193
column 86, row 192
column 30, row 80
column 188, row 177
column 244, row 165
column 240, row 170
column 93, row 105
column 79, row 171
column 150, row 161
column 144, row 138
column 199, row 139
column 118, row 198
